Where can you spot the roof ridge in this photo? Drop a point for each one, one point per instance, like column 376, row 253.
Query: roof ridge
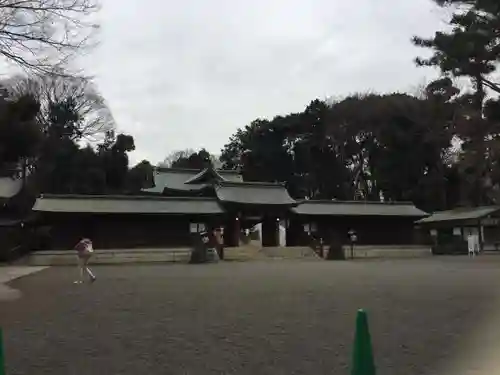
column 250, row 183
column 123, row 197
column 193, row 170
column 195, row 179
column 473, row 208
column 460, row 213
column 467, row 209
column 393, row 203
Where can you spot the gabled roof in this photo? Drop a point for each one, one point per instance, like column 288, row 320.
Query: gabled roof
column 104, row 204
column 206, row 175
column 185, row 179
column 9, row 187
column 357, row 208
column 460, row 214
column 9, row 222
column 250, row 193
column 256, row 193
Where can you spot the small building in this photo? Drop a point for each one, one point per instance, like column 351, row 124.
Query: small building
column 375, row 223
column 449, row 229
column 184, row 202
column 11, row 216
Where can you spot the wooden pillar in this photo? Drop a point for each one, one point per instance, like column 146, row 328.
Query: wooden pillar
column 270, row 231
column 296, row 234
column 232, row 232
column 480, row 236
column 293, row 232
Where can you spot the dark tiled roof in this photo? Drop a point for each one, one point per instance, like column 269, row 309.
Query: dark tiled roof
column 126, row 204
column 7, row 222
column 207, row 173
column 9, row 187
column 256, row 193
column 357, row 208
column 460, row 214
column 177, row 179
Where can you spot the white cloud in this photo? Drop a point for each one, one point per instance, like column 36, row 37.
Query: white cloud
column 188, row 74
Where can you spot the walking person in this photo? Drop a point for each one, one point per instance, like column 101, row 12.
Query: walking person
column 471, row 244
column 477, row 245
column 84, row 252
column 219, row 242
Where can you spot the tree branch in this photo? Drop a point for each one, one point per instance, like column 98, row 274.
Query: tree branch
column 44, row 35
column 493, row 86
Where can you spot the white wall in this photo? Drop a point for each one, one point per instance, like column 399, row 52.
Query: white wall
column 282, row 233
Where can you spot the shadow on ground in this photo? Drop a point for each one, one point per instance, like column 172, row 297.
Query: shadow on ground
column 279, row 317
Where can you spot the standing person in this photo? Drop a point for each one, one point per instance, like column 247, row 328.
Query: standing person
column 84, row 252
column 219, row 242
column 471, row 244
column 477, row 245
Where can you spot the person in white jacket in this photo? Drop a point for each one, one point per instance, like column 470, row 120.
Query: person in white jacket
column 84, row 252
column 473, row 244
column 477, row 246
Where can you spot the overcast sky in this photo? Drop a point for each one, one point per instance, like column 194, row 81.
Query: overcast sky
column 187, row 74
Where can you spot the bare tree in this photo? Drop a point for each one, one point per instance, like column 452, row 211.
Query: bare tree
column 93, row 117
column 43, row 35
column 175, row 156
column 189, row 158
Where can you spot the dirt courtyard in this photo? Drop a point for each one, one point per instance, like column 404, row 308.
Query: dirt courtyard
column 427, row 316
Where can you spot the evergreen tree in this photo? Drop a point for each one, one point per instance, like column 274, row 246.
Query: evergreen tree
column 471, row 51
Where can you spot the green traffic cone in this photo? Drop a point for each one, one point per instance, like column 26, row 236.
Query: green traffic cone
column 362, row 359
column 2, row 360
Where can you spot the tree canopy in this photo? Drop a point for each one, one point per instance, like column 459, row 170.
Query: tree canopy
column 61, row 131
column 438, row 148
column 189, row 159
column 42, row 36
column 392, row 147
column 470, row 51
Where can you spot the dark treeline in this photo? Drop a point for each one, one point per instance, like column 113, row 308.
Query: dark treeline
column 439, row 148
column 54, row 127
column 59, row 132
column 189, row 159
column 391, row 147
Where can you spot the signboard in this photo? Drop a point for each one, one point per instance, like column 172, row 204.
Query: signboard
column 457, row 232
column 434, row 232
column 253, row 218
column 490, row 222
column 196, row 227
column 310, row 227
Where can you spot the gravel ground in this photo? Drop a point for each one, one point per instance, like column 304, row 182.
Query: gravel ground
column 277, row 317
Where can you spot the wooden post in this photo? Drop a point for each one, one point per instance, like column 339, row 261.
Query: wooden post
column 270, row 231
column 290, row 240
column 236, row 232
column 480, row 236
column 232, row 232
column 2, row 359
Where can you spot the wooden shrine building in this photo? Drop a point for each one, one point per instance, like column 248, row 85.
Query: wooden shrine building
column 14, row 215
column 449, row 229
column 184, row 202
